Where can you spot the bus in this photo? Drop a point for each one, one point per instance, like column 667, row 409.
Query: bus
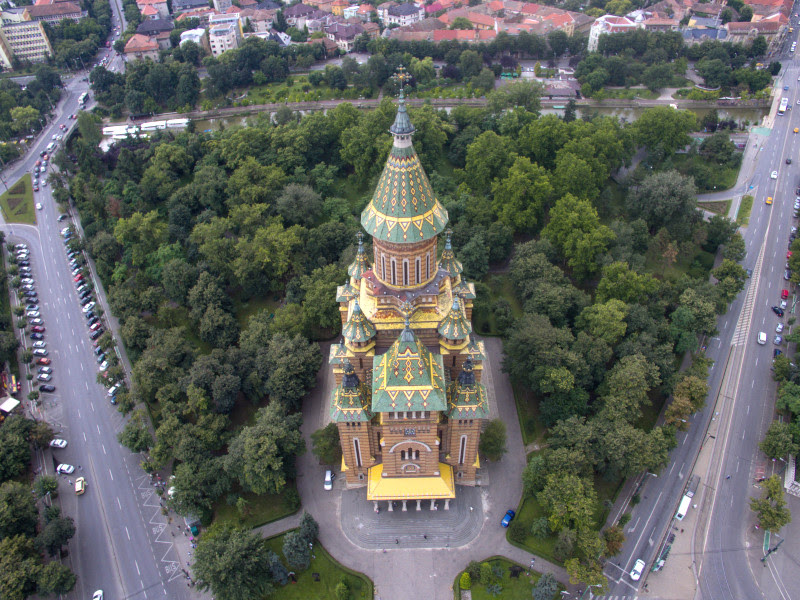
column 83, row 98
column 784, row 105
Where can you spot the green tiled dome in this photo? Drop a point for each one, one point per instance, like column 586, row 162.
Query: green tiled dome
column 455, row 325
column 408, row 377
column 403, row 208
column 360, row 264
column 358, row 328
column 350, row 400
column 466, row 397
column 448, row 261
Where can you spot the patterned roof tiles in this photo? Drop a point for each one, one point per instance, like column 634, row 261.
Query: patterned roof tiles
column 455, row 325
column 403, row 208
column 350, row 400
column 408, row 377
column 448, row 261
column 466, row 397
column 358, row 328
column 360, row 265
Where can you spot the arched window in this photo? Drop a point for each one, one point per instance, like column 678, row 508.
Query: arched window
column 357, row 450
column 383, row 267
column 418, row 273
column 405, row 271
column 394, row 272
column 428, row 266
column 462, row 450
column 402, row 454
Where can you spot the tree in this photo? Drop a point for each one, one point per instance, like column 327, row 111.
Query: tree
column 24, row 118
column 20, row 566
column 604, row 321
column 470, row 63
column 521, row 197
column 664, row 130
column 18, row 515
column 770, row 508
column 45, row 484
column 40, row 434
column 666, row 199
column 309, row 529
column 296, row 550
column 730, row 281
column 56, row 533
column 614, row 537
column 136, row 436
column 718, row 148
column 621, row 282
column 778, row 442
column 299, row 205
column 569, row 502
column 55, row 578
column 262, row 455
column 493, row 440
column 325, row 444
column 545, row 588
column 735, row 249
column 233, row 564
column 279, row 573
column 558, row 41
column 15, row 452
column 292, row 364
column 694, row 389
column 487, row 157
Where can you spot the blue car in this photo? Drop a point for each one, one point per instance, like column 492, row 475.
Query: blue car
column 509, row 516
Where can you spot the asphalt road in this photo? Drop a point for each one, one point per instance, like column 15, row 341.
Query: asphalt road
column 123, row 543
column 729, row 565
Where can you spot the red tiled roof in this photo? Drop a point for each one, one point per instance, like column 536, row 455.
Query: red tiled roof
column 148, row 10
column 52, row 10
column 366, row 9
column 559, row 20
column 496, row 5
column 140, row 43
column 761, row 26
column 197, row 12
column 530, row 8
column 487, row 34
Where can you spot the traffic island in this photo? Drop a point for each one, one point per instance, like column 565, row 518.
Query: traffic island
column 17, row 202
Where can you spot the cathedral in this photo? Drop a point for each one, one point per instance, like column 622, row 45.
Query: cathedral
column 409, row 404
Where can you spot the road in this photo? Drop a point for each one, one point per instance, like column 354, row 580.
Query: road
column 123, row 544
column 727, row 559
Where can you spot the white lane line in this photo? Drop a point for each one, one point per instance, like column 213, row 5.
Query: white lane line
column 98, row 429
column 119, row 503
column 111, row 474
column 84, row 436
column 104, row 448
column 127, row 533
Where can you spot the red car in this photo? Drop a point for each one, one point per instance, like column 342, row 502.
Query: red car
column 784, row 294
column 38, row 328
column 78, row 277
column 43, row 361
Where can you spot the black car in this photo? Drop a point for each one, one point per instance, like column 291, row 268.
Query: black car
column 93, row 320
column 47, row 388
column 24, row 263
column 37, row 336
column 98, row 350
column 777, row 310
column 101, row 358
column 85, row 301
column 85, row 294
column 89, row 315
column 96, row 334
column 30, row 295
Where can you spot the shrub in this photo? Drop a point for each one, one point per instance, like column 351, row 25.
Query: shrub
column 540, row 528
column 465, row 582
column 342, row 590
column 474, row 570
column 623, row 520
column 565, row 544
column 487, row 575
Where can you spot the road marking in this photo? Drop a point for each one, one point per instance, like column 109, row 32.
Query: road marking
column 98, row 429
column 134, row 562
column 84, row 436
column 104, row 448
column 111, row 474
column 119, row 503
column 127, row 533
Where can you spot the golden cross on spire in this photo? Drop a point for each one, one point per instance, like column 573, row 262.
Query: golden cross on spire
column 402, row 76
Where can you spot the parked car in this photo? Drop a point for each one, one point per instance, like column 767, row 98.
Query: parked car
column 65, row 469
column 509, row 516
column 97, row 333
column 47, row 388
column 329, row 477
column 638, row 568
column 778, row 340
column 58, row 443
column 45, row 369
column 43, row 361
column 37, row 336
column 40, row 344
column 40, row 352
column 44, row 377
column 38, row 328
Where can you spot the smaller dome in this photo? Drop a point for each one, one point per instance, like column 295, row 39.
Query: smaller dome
column 455, row 325
column 358, row 328
column 360, row 264
column 448, row 261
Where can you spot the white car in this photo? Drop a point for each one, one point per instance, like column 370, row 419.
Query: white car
column 98, row 595
column 89, row 307
column 27, row 280
column 329, row 477
column 33, row 313
column 638, row 568
column 21, row 247
column 65, row 469
column 779, row 328
column 774, row 175
column 104, row 365
column 39, row 205
column 113, row 389
column 40, row 344
column 57, row 443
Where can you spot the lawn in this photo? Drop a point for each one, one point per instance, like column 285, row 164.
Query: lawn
column 330, row 573
column 743, row 216
column 708, row 177
column 261, row 509
column 246, row 309
column 718, row 207
column 528, row 414
column 17, row 202
column 512, row 587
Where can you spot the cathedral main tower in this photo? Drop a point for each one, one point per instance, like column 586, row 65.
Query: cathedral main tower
column 409, row 403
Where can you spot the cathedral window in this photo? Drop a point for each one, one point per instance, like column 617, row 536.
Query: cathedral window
column 418, row 266
column 357, row 451
column 402, row 454
column 462, row 450
column 405, row 271
column 394, row 272
column 428, row 266
column 383, row 267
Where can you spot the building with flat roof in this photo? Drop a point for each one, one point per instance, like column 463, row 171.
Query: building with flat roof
column 27, row 41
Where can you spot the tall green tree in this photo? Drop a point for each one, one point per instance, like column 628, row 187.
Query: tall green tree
column 770, row 508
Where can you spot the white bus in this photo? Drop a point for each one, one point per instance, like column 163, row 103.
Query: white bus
column 83, row 98
column 784, row 105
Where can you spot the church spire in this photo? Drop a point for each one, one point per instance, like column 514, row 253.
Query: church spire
column 360, row 264
column 448, row 261
column 402, row 124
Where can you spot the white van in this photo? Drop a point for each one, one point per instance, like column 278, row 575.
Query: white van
column 762, row 338
column 683, row 508
column 50, row 147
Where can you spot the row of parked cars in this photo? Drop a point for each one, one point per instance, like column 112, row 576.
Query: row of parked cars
column 33, row 315
column 88, row 305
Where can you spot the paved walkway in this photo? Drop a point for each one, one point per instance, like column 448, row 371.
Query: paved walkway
column 354, row 536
